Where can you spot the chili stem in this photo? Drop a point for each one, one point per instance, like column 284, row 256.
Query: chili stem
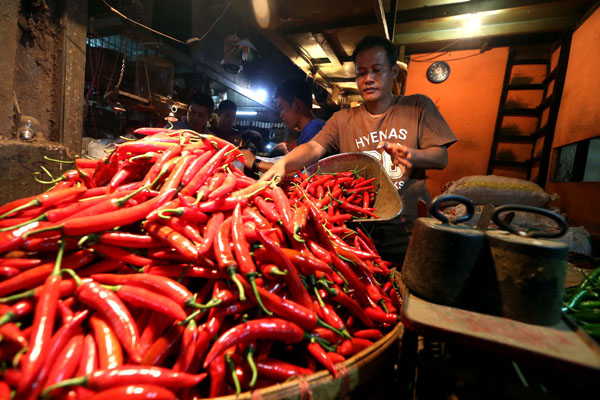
column 251, row 278
column 236, row 381
column 252, row 364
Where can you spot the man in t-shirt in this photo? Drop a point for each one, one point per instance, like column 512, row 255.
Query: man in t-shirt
column 294, row 100
column 407, row 134
column 198, row 113
column 227, row 114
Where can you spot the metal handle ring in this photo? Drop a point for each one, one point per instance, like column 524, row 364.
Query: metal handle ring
column 435, row 208
column 560, row 221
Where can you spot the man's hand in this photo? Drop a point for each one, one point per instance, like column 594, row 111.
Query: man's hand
column 249, row 157
column 400, row 154
column 277, row 169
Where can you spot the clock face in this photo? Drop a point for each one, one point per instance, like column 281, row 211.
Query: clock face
column 438, row 72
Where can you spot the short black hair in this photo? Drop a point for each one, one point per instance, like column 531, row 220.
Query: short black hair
column 252, row 140
column 292, row 89
column 369, row 42
column 227, row 105
column 204, row 100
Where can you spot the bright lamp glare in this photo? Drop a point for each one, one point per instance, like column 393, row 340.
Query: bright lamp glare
column 262, row 12
column 473, row 23
column 261, row 94
column 245, row 113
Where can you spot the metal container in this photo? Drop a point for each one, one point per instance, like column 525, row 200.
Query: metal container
column 441, row 255
column 529, row 271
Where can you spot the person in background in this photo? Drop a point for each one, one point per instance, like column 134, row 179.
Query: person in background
column 294, row 100
column 407, row 134
column 227, row 114
column 198, row 113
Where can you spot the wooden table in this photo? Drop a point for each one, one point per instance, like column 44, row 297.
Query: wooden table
column 563, row 346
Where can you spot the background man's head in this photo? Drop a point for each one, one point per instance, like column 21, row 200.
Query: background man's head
column 376, row 68
column 294, row 99
column 199, row 111
column 227, row 114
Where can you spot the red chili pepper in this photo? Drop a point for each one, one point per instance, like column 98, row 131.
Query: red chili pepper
column 143, row 298
column 351, row 347
column 196, row 165
column 188, row 347
column 108, row 304
column 280, row 370
column 169, row 153
column 282, row 204
column 217, row 371
column 336, row 357
column 20, row 263
column 212, row 226
column 185, row 227
column 67, row 362
column 247, row 332
column 12, row 333
column 87, row 364
column 133, row 375
column 135, row 392
column 225, row 188
column 164, row 286
column 106, row 221
column 43, row 324
column 295, row 286
column 4, row 390
column 351, row 305
column 17, row 310
column 156, row 326
column 175, row 271
column 164, row 346
column 174, row 238
column 206, row 171
column 129, row 240
column 118, row 253
column 381, row 316
column 222, row 204
column 55, row 346
column 47, row 199
column 224, row 255
column 317, row 352
column 267, row 209
column 373, row 334
column 101, row 267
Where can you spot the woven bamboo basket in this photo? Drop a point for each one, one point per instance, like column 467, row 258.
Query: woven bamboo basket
column 362, row 368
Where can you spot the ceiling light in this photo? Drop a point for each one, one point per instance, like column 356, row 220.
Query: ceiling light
column 473, row 23
column 261, row 95
column 246, row 113
column 262, row 13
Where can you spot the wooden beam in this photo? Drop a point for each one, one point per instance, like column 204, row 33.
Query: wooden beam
column 336, row 79
column 423, row 14
column 381, row 17
column 488, row 31
column 391, row 18
column 323, row 41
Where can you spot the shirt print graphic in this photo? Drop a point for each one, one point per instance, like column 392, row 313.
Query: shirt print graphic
column 394, row 135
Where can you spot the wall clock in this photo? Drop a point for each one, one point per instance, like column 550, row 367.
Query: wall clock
column 438, row 72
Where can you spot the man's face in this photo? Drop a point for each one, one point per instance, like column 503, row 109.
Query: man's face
column 197, row 116
column 374, row 75
column 226, row 119
column 287, row 113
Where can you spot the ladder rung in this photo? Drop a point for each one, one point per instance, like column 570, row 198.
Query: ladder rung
column 527, row 86
column 532, row 61
column 518, row 164
column 517, row 112
column 541, row 132
column 546, row 103
column 516, row 138
column 551, row 76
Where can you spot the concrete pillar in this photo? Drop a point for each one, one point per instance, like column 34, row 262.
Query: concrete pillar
column 43, row 67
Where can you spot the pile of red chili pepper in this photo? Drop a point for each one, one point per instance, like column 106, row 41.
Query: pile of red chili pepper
column 162, row 271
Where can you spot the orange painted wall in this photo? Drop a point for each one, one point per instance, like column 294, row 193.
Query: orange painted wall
column 469, row 101
column 579, row 119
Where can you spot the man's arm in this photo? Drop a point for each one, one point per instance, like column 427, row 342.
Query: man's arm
column 302, row 156
column 430, row 158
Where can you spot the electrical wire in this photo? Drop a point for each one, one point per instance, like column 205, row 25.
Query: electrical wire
column 187, row 42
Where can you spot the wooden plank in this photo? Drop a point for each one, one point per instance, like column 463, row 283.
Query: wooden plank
column 561, row 344
column 381, row 18
column 323, row 42
column 521, row 112
column 489, row 31
column 527, row 86
column 516, row 138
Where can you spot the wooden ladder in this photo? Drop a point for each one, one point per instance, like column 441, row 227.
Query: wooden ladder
column 541, row 138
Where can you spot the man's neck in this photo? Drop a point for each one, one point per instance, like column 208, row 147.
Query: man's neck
column 379, row 107
column 303, row 120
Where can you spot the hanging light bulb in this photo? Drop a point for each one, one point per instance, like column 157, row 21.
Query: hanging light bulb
column 118, row 107
column 171, row 117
